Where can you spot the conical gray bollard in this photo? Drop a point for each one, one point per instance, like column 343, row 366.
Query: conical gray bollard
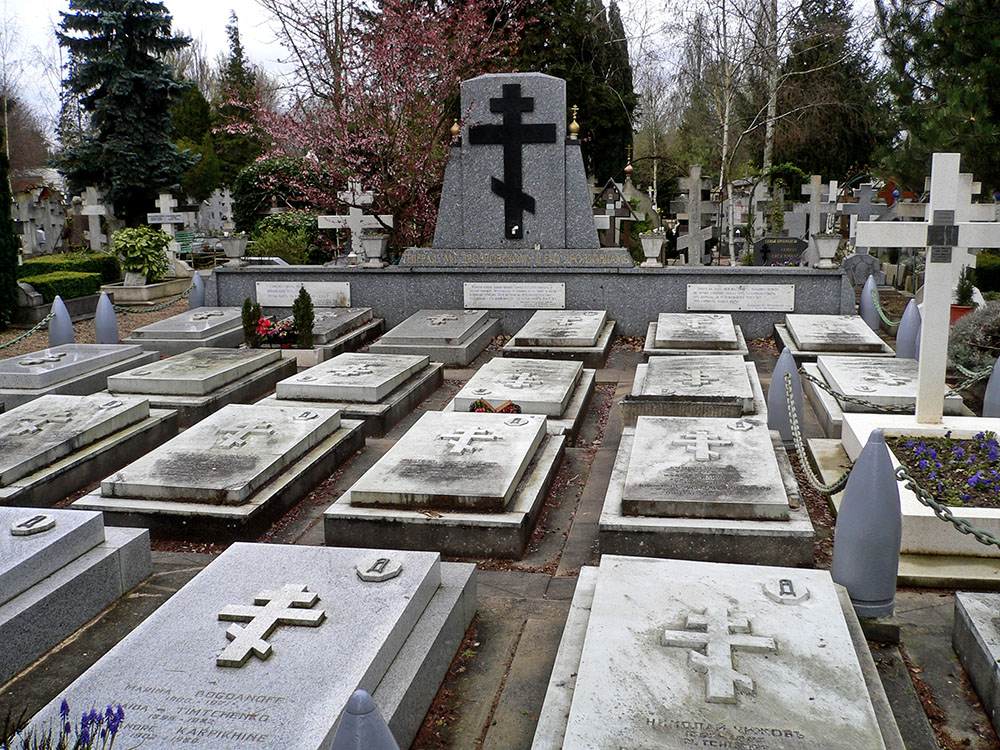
column 105, row 322
column 916, row 339
column 362, row 726
column 866, row 307
column 868, row 532
column 61, row 325
column 777, row 399
column 906, row 334
column 991, row 401
column 197, row 296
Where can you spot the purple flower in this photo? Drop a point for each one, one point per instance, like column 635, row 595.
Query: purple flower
column 922, row 463
column 958, row 451
column 84, row 736
column 64, row 709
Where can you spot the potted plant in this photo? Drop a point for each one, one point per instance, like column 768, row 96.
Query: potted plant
column 142, row 252
column 652, row 243
column 963, row 295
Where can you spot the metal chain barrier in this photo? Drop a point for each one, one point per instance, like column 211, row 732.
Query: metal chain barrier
column 800, row 448
column 155, row 308
column 841, row 398
column 39, row 326
column 943, row 511
column 881, row 312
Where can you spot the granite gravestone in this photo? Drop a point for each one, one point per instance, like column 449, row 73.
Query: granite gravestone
column 862, row 265
column 515, row 190
column 778, row 251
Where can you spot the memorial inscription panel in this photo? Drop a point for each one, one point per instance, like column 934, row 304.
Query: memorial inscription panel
column 323, row 293
column 514, row 296
column 741, row 297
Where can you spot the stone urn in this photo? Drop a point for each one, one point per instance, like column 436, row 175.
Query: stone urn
column 374, row 248
column 826, row 245
column 651, row 245
column 235, row 247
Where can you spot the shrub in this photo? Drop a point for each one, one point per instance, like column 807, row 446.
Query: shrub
column 251, row 315
column 261, row 182
column 320, row 245
column 143, row 250
column 975, row 338
column 291, row 246
column 104, row 264
column 964, row 288
column 302, row 314
column 67, row 284
column 987, row 272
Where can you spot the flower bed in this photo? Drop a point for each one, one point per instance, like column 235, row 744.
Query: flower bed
column 957, row 471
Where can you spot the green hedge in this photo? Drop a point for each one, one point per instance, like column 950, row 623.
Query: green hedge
column 67, row 284
column 987, row 276
column 99, row 263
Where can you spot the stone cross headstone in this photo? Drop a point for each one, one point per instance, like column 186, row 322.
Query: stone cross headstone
column 694, row 241
column 865, row 209
column 942, row 236
column 354, row 195
column 613, row 218
column 817, row 206
column 168, row 217
column 356, row 221
column 94, row 208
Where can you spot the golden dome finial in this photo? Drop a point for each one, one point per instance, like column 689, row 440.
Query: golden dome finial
column 574, row 127
column 628, row 159
column 455, row 129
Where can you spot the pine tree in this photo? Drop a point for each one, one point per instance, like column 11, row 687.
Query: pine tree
column 126, row 90
column 302, row 314
column 9, row 243
column 236, row 151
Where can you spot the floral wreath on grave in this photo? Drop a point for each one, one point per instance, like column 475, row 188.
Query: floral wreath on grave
column 507, row 407
column 282, row 333
column 784, row 263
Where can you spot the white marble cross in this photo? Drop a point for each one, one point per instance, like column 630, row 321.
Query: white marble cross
column 700, row 443
column 440, row 320
column 94, row 208
column 942, row 236
column 696, row 235
column 355, row 196
column 719, row 632
column 461, row 440
column 822, row 199
column 352, row 371
column 32, row 425
column 237, row 437
column 290, row 605
column 698, row 378
column 523, row 380
column 356, row 221
column 43, row 359
column 168, row 216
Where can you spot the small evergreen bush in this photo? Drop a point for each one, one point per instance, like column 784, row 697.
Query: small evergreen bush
column 67, row 284
column 106, row 265
column 302, row 315
column 251, row 315
column 975, row 339
column 291, row 246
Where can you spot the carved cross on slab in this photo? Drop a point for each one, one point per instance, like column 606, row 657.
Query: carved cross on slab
column 512, row 135
column 32, row 425
column 885, row 377
column 700, row 443
column 440, row 320
column 237, row 437
column 352, row 371
column 719, row 631
column 271, row 608
column 699, row 378
column 207, row 315
column 523, row 380
column 462, row 439
column 42, row 360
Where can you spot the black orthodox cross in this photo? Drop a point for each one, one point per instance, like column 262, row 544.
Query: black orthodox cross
column 512, row 134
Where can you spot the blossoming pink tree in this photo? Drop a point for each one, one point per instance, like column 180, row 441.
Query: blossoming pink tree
column 374, row 93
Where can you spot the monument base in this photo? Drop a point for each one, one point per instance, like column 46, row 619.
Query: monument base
column 602, row 257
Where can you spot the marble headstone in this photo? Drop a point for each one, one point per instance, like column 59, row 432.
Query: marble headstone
column 359, row 377
column 200, row 323
column 436, row 327
column 860, row 266
column 194, row 373
column 538, row 386
column 833, row 333
column 890, row 382
column 696, row 379
column 554, row 328
column 49, row 367
column 695, row 331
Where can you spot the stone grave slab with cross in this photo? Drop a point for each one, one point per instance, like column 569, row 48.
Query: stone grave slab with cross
column 203, row 326
column 332, row 323
column 703, row 468
column 698, row 385
column 538, row 386
column 460, row 483
column 58, row 569
column 676, row 654
column 198, row 382
column 837, row 334
column 890, row 382
column 380, row 389
column 447, row 336
column 221, row 474
column 94, row 208
column 975, row 640
column 583, row 335
column 694, row 333
column 72, row 369
column 58, row 444
column 393, row 638
column 702, row 488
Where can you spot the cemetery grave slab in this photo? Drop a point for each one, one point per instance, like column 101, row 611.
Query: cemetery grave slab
column 229, row 659
column 976, row 640
column 694, row 333
column 380, row 389
column 581, row 335
column 198, row 382
column 447, row 336
column 807, row 336
column 57, row 445
column 58, row 570
column 709, row 385
column 708, row 489
column 674, row 654
column 462, row 483
column 230, row 474
column 70, row 369
column 558, row 389
column 203, row 326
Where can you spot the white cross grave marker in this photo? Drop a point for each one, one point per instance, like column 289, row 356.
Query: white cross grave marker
column 941, row 236
column 355, row 196
column 290, row 605
column 700, row 443
column 167, row 217
column 356, row 220
column 94, row 209
column 461, row 440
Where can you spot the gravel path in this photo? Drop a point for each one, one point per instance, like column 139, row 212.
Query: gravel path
column 84, row 330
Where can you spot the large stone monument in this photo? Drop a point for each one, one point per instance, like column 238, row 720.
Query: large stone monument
column 515, row 191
